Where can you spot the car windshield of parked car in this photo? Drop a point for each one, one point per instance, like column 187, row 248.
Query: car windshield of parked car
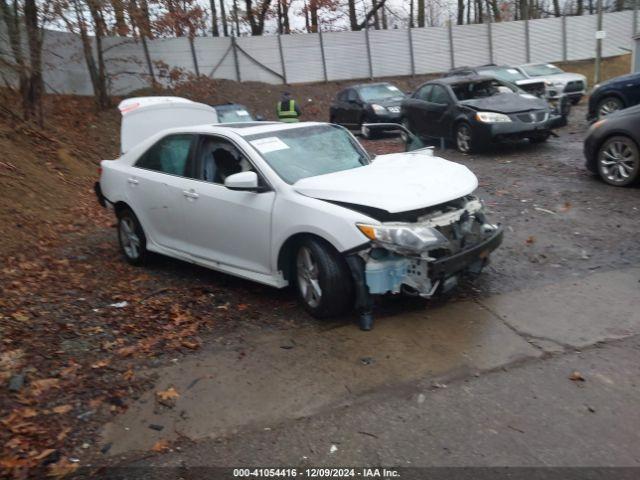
column 233, row 115
column 309, row 151
column 541, row 70
column 503, row 73
column 481, row 89
column 372, row 93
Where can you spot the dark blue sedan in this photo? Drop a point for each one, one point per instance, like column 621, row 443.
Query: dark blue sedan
column 614, row 94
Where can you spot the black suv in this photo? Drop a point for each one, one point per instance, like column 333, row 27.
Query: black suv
column 615, row 94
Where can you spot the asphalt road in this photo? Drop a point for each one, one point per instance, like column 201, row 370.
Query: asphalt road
column 478, row 379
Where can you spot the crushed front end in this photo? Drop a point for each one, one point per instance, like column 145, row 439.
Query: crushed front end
column 426, row 251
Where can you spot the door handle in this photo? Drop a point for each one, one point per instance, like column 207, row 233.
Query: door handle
column 132, row 181
column 190, row 194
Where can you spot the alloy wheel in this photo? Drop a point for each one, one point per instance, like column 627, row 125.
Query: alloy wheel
column 618, row 161
column 308, row 277
column 463, row 138
column 129, row 238
column 608, row 107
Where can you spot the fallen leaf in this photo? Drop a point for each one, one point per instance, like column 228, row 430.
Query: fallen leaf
column 44, row 453
column 531, row 240
column 160, row 446
column 62, row 468
column 167, row 397
column 42, row 385
column 21, row 317
column 190, row 344
column 128, row 375
column 126, row 351
column 576, row 376
column 62, row 409
column 101, row 364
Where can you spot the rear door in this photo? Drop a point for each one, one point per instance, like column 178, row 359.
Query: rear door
column 155, row 189
column 354, row 108
column 438, row 113
column 338, row 109
column 227, row 226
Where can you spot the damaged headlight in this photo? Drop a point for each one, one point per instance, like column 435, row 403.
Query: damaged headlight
column 378, row 109
column 492, row 117
column 411, row 237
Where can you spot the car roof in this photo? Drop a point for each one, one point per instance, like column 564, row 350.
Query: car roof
column 245, row 128
column 455, row 79
column 360, row 85
column 229, row 105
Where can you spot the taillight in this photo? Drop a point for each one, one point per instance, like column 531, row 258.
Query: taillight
column 99, row 171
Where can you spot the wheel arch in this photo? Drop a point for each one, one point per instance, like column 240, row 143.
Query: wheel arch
column 609, row 94
column 603, row 140
column 288, row 248
column 120, row 206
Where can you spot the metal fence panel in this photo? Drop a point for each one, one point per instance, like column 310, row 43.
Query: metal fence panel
column 619, row 28
column 509, row 43
column 303, row 58
column 431, row 49
column 581, row 39
column 346, row 54
column 211, row 54
column 470, row 45
column 390, row 53
column 126, row 64
column 64, row 68
column 545, row 39
column 264, row 49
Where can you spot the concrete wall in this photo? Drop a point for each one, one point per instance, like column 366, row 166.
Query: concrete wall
column 336, row 55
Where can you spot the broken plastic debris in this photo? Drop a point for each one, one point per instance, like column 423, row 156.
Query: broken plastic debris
column 333, row 449
column 119, row 304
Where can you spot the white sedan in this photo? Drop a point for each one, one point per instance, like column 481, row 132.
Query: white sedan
column 300, row 204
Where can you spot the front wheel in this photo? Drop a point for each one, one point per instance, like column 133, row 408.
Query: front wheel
column 608, row 105
column 464, row 138
column 133, row 243
column 323, row 280
column 619, row 161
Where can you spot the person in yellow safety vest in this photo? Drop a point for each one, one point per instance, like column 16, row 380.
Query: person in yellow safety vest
column 288, row 109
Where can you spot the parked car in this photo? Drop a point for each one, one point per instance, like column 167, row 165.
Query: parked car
column 505, row 73
column 614, row 94
column 234, row 112
column 366, row 103
column 611, row 147
column 475, row 111
column 558, row 82
column 300, row 204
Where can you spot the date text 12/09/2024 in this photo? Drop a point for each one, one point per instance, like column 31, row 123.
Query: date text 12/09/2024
column 285, row 473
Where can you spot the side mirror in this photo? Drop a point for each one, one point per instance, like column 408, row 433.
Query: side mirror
column 259, row 118
column 243, row 181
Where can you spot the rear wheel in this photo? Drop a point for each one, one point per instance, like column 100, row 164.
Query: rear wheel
column 608, row 105
column 463, row 138
column 133, row 243
column 619, row 161
column 323, row 280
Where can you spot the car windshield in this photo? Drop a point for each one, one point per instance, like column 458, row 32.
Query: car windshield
column 379, row 92
column 309, row 151
column 503, row 73
column 482, row 89
column 541, row 70
column 233, row 114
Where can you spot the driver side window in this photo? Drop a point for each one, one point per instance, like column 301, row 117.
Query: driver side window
column 440, row 95
column 424, row 92
column 352, row 96
column 217, row 158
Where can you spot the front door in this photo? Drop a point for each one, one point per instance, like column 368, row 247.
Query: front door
column 227, row 226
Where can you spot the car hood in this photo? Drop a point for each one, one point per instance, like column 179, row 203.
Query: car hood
column 529, row 81
column 506, row 103
column 564, row 77
column 397, row 182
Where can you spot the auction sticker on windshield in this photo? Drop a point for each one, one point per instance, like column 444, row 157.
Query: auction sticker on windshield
column 269, row 144
column 242, row 113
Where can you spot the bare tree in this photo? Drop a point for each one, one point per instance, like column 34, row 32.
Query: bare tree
column 214, row 19
column 460, row 12
column 26, row 65
column 257, row 15
column 420, row 13
column 223, row 18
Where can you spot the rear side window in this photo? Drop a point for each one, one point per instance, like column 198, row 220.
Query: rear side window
column 170, row 155
column 217, row 158
column 352, row 95
column 439, row 95
column 342, row 96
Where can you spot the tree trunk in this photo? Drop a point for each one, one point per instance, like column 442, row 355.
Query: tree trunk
column 460, row 12
column 256, row 19
column 313, row 15
column 370, row 14
column 479, row 11
column 285, row 16
column 214, row 20
column 353, row 16
column 35, row 87
column 223, row 18
column 556, row 8
column 96, row 71
column 420, row 13
column 236, row 17
column 492, row 7
column 411, row 14
column 579, row 7
column 385, row 25
column 376, row 17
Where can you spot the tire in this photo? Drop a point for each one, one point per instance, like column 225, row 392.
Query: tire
column 541, row 138
column 463, row 138
column 131, row 238
column 403, row 136
column 608, row 105
column 618, row 161
column 322, row 279
column 575, row 100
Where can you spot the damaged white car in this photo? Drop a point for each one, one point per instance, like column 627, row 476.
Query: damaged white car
column 300, row 204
